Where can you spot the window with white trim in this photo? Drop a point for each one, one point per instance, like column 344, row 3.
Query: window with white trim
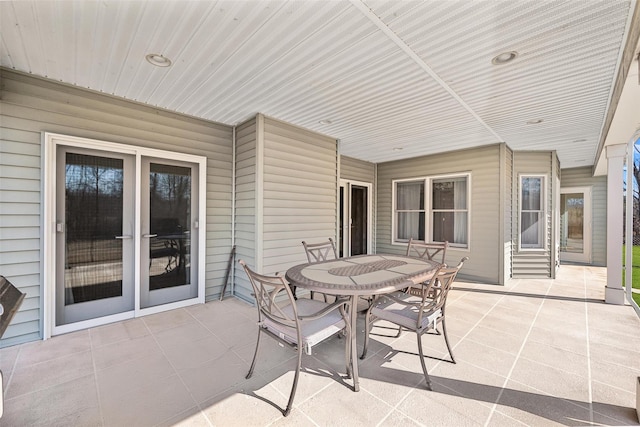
column 432, row 209
column 532, row 217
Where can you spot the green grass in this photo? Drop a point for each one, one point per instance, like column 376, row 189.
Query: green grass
column 635, row 273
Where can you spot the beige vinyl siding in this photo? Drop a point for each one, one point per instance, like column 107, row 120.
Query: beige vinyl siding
column 582, row 177
column 536, row 262
column 31, row 106
column 357, row 170
column 300, row 179
column 483, row 164
column 245, row 214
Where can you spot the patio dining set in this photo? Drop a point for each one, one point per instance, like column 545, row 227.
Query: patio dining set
column 408, row 291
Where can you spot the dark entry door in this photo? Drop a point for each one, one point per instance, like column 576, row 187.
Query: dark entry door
column 359, row 226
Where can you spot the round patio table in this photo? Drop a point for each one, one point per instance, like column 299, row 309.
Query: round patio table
column 362, row 275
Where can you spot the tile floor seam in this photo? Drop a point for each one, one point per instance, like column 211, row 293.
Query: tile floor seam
column 513, row 365
column 95, row 379
column 176, row 373
column 452, row 409
column 13, row 371
column 569, row 401
column 586, row 321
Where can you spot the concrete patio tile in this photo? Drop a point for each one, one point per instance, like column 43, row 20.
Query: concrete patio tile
column 619, row 376
column 442, row 409
column 314, row 377
column 387, row 380
column 71, row 403
column 250, row 403
column 574, row 341
column 116, row 332
column 608, row 354
column 536, row 408
column 192, row 417
column 167, row 320
column 60, row 346
column 47, row 374
column 124, row 351
column 613, row 403
column 363, row 408
column 214, row 376
column 552, row 381
column 491, row 338
column 8, row 357
column 485, row 357
column 270, row 354
column 616, row 339
column 181, row 335
column 193, row 353
column 133, row 375
column 398, row 419
column 238, row 333
column 558, row 358
column 577, row 366
column 466, row 380
column 158, row 400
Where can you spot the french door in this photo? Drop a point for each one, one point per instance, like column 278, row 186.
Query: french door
column 355, row 218
column 575, row 224
column 127, row 234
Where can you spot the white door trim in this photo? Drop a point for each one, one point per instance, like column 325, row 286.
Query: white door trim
column 48, row 273
column 585, row 256
column 346, row 229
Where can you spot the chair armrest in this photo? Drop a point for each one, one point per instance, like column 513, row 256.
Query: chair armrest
column 339, row 302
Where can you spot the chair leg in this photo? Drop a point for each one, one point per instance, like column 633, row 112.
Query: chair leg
column 347, row 343
column 255, row 355
column 424, row 366
column 287, row 411
column 446, row 339
column 399, row 332
column 367, row 329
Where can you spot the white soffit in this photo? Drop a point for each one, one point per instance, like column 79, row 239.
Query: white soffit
column 387, row 74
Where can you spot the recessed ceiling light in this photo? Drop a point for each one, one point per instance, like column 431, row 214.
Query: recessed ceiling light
column 579, row 140
column 504, row 57
column 397, row 149
column 158, row 60
column 534, row 121
column 325, row 122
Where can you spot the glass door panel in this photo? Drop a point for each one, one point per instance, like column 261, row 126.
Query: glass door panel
column 168, row 203
column 575, row 225
column 94, row 235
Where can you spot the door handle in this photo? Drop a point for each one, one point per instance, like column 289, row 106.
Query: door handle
column 123, row 237
column 149, row 236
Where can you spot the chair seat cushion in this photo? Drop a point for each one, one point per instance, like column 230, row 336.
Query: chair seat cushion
column 405, row 316
column 313, row 331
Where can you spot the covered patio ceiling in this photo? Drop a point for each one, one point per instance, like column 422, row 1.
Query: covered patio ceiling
column 389, row 79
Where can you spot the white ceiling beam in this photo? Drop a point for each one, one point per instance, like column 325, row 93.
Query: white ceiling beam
column 360, row 5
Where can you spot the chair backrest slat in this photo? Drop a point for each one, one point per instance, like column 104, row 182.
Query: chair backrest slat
column 318, row 252
column 430, row 251
column 268, row 290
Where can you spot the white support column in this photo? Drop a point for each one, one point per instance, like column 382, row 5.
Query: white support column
column 614, row 294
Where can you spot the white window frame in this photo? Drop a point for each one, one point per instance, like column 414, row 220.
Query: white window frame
column 428, row 208
column 542, row 211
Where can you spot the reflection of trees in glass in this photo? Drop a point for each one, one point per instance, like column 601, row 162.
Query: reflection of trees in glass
column 94, row 200
column 170, row 198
